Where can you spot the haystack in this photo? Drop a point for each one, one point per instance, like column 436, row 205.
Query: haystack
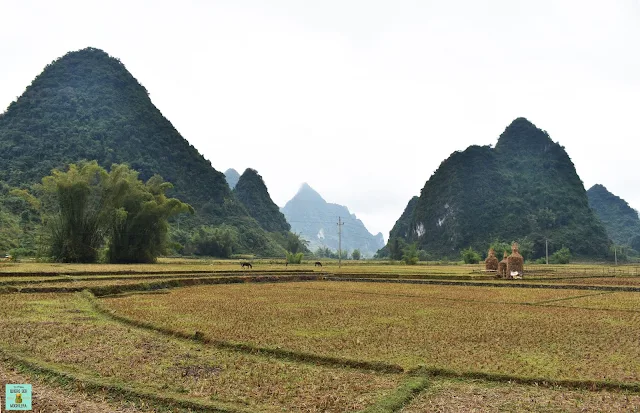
column 502, row 266
column 515, row 263
column 491, row 263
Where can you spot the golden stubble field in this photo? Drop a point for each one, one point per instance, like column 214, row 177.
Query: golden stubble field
column 323, row 345
column 519, row 331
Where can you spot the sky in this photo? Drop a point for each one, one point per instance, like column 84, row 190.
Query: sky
column 361, row 99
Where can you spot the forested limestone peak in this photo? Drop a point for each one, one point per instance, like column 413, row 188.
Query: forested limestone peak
column 402, row 226
column 620, row 220
column 254, row 195
column 87, row 106
column 522, row 135
column 602, row 190
column 525, row 189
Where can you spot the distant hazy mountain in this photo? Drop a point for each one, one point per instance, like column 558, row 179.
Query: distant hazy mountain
column 619, row 219
column 316, row 220
column 232, row 176
column 526, row 188
column 252, row 192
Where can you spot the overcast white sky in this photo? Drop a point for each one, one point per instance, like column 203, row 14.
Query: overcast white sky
column 361, row 99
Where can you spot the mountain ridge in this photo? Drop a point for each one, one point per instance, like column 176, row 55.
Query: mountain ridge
column 316, row 220
column 526, row 188
column 254, row 195
column 232, row 176
column 620, row 220
column 86, row 105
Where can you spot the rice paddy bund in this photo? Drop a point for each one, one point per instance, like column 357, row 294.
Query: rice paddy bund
column 208, row 336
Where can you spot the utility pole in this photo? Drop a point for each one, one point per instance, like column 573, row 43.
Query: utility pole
column 546, row 249
column 340, row 224
column 615, row 255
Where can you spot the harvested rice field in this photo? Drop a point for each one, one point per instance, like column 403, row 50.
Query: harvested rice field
column 615, row 281
column 463, row 396
column 493, row 330
column 65, row 334
column 150, row 339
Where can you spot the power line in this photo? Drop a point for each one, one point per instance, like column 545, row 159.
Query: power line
column 340, row 242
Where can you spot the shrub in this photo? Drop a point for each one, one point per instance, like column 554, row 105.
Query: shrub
column 410, row 256
column 469, row 256
column 17, row 253
column 216, row 241
column 294, row 258
column 562, row 256
column 423, row 255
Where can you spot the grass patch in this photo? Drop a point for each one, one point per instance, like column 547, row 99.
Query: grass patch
column 409, row 388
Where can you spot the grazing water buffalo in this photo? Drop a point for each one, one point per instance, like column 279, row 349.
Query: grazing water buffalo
column 318, row 264
column 246, row 264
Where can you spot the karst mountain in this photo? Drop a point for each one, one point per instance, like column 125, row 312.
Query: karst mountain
column 86, row 105
column 525, row 188
column 316, row 220
column 619, row 219
column 254, row 195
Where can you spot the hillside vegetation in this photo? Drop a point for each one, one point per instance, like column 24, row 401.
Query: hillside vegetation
column 254, row 195
column 87, row 106
column 526, row 189
column 620, row 220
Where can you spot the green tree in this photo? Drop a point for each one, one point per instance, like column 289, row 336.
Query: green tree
column 382, row 253
column 294, row 258
column 295, row 243
column 469, row 256
column 500, row 247
column 19, row 221
column 215, row 241
column 356, row 254
column 321, row 252
column 526, row 248
column 73, row 202
column 85, row 208
column 423, row 255
column 410, row 256
column 137, row 215
column 562, row 256
column 396, row 248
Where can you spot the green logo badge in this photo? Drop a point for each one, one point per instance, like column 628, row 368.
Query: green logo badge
column 17, row 397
